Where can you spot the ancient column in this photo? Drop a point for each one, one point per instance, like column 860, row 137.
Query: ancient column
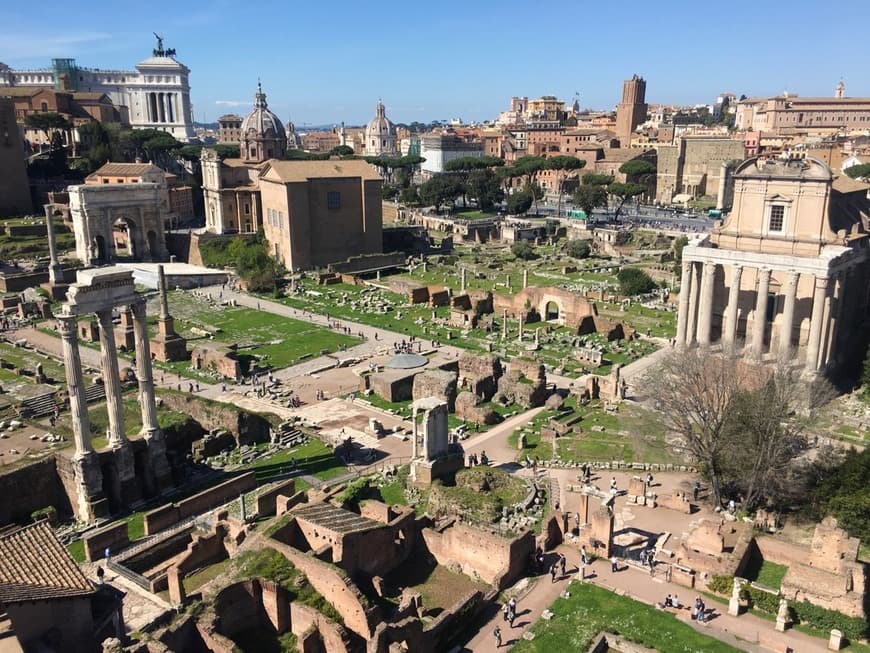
column 759, row 320
column 538, row 337
column 729, row 335
column 88, row 477
column 160, row 476
column 824, row 339
column 525, row 278
column 520, row 334
column 705, row 312
column 837, row 323
column 787, row 328
column 723, row 185
column 78, row 405
column 504, row 324
column 55, row 271
column 462, row 279
column 683, row 313
column 819, row 294
column 111, row 379
column 413, row 433
column 694, row 288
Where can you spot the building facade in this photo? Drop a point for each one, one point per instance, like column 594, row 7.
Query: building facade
column 14, row 185
column 321, row 212
column 788, row 113
column 156, row 95
column 437, row 148
column 631, row 112
column 787, row 273
column 693, row 167
column 230, row 129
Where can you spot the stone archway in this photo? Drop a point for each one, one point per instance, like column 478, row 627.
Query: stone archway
column 98, row 250
column 126, row 237
column 551, row 311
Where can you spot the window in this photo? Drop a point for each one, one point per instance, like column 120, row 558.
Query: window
column 333, row 200
column 247, row 209
column 45, row 106
column 777, row 218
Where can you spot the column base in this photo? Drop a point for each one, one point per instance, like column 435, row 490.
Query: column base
column 158, row 463
column 90, row 500
column 128, row 490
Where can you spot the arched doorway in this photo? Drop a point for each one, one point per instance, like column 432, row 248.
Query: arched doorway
column 124, row 236
column 551, row 311
column 98, row 250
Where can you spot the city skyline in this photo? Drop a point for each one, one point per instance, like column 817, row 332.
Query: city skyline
column 320, row 67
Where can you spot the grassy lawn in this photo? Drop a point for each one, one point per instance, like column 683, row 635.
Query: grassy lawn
column 314, row 458
column 274, row 340
column 27, row 359
column 591, row 610
column 475, row 215
column 197, row 579
column 765, row 572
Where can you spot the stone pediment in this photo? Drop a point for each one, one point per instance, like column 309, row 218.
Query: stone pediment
column 779, row 198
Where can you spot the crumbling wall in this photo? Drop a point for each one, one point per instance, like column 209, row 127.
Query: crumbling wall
column 491, row 558
column 436, row 383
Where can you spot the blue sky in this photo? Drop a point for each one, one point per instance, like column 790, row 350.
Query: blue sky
column 326, row 62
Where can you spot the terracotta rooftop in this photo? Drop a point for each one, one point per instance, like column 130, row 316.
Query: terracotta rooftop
column 125, row 169
column 305, row 170
column 34, row 566
column 845, row 184
column 335, row 519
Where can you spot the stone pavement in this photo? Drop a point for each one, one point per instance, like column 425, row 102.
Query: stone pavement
column 746, row 632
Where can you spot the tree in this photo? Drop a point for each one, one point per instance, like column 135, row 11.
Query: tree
column 410, row 196
column 439, row 190
column 623, row 192
column 634, row 281
column 528, row 167
column 342, row 151
column 761, row 437
column 469, row 163
column 519, row 203
column 485, row 186
column 49, row 123
column 593, row 179
column 859, row 171
column 578, row 248
column 679, row 244
column 253, row 263
column 693, row 392
column 590, row 197
column 840, row 489
column 563, row 165
column 523, row 249
column 637, row 170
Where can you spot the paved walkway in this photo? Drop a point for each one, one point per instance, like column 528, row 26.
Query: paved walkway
column 746, row 632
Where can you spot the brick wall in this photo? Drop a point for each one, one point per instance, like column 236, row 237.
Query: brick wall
column 493, row 559
column 44, row 487
column 266, row 501
column 165, row 516
column 333, row 636
column 114, row 537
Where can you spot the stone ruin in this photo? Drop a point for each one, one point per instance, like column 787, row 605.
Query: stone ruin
column 467, row 310
column 222, row 360
column 432, row 455
column 479, row 374
column 609, row 388
column 524, row 384
column 440, row 384
column 100, row 291
column 167, row 345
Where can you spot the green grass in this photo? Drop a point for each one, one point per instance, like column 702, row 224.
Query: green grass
column 591, row 610
column 764, row 572
column 197, row 579
column 475, row 215
column 77, row 550
column 274, row 340
column 314, row 458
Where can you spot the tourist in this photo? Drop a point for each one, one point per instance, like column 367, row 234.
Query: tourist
column 497, row 634
column 612, row 483
column 614, row 565
column 553, row 573
column 539, row 559
column 562, row 563
column 107, row 554
column 504, row 611
column 584, row 557
column 100, row 574
column 696, row 490
column 675, row 602
column 649, row 480
column 669, row 602
column 512, row 614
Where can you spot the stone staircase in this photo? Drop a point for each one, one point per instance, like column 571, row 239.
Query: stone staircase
column 289, row 436
column 95, row 392
column 38, row 406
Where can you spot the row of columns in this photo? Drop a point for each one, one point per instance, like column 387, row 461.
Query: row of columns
column 111, row 379
column 694, row 323
column 162, row 107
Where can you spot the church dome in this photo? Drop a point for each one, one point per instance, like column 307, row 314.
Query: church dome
column 262, row 122
column 262, row 134
column 380, row 133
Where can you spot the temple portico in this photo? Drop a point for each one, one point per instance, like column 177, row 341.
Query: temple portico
column 100, row 292
column 786, row 276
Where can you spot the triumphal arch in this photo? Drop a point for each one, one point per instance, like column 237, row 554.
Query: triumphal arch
column 116, row 478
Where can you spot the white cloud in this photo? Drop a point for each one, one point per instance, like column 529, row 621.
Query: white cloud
column 232, row 103
column 21, row 45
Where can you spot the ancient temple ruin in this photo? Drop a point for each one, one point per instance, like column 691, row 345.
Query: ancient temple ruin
column 432, row 454
column 100, row 292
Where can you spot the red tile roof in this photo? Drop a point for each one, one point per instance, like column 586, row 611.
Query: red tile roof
column 35, row 566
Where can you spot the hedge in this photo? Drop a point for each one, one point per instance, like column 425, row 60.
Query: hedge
column 854, row 628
